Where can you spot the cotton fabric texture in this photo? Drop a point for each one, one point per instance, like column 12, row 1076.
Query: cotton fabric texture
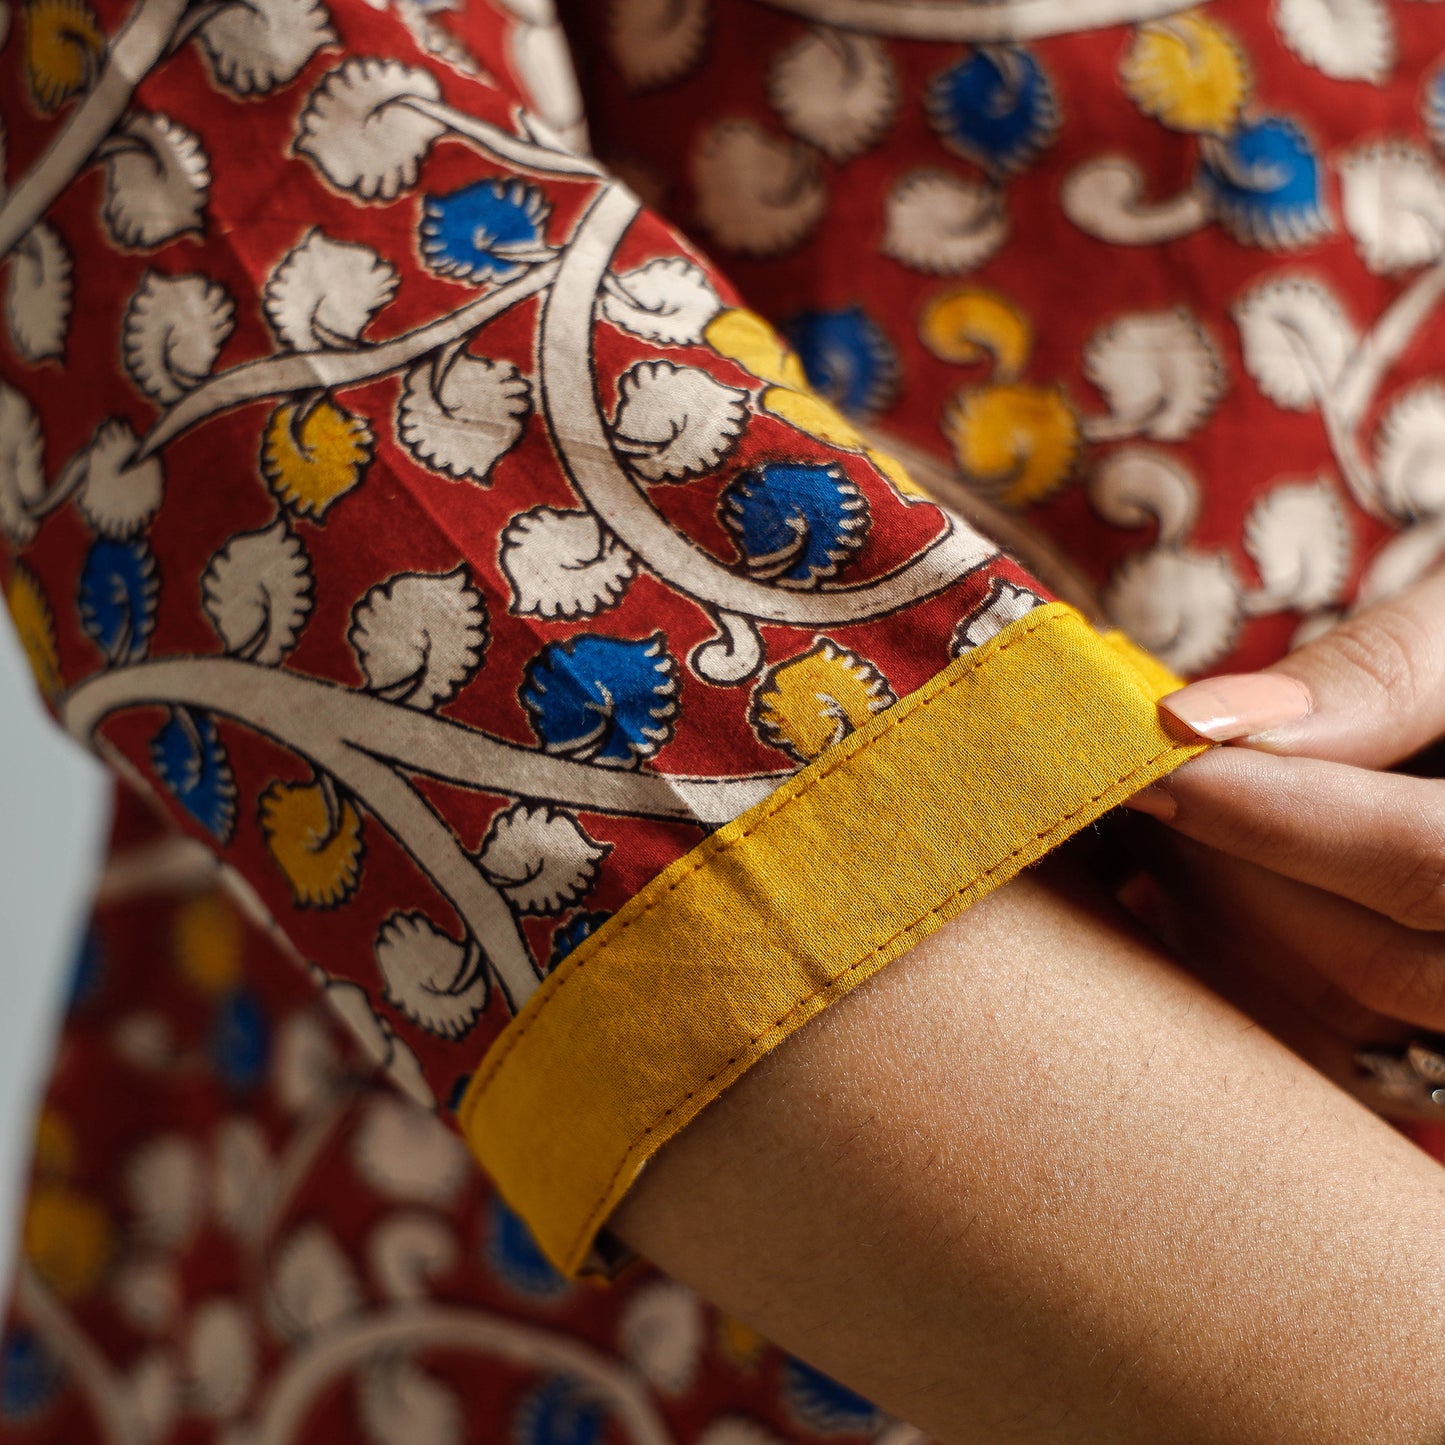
column 554, row 691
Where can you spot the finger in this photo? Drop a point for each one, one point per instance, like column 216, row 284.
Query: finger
column 1342, row 962
column 1232, row 919
column 1375, row 838
column 1375, row 687
column 1235, row 953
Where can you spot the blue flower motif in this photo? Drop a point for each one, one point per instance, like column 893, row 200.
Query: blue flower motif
column 469, row 232
column 118, row 597
column 191, row 761
column 996, row 107
column 514, row 1258
column 30, row 1375
column 847, row 357
column 794, row 522
column 559, row 1413
column 458, row 1092
column 240, row 1043
column 87, row 969
column 823, row 1405
column 1263, row 182
column 1434, row 106
column 608, row 700
column 571, row 933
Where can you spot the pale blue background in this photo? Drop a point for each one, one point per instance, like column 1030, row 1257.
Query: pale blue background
column 52, row 810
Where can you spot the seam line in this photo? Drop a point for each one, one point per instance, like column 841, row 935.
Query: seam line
column 906, row 710
column 594, row 1216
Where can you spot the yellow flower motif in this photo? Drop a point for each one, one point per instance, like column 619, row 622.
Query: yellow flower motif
column 898, row 474
column 55, row 1147
column 67, row 1239
column 63, row 48
column 1188, row 73
column 807, row 411
column 970, row 326
column 741, row 1343
column 35, row 626
column 309, row 466
column 207, row 940
column 1016, row 442
column 744, row 337
column 807, row 704
column 810, row 413
column 316, row 838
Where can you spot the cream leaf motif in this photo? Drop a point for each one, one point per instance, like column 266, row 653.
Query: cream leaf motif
column 835, row 89
column 323, row 293
column 257, row 593
column 429, row 976
column 757, row 193
column 562, row 564
column 119, row 495
column 1299, row 538
column 541, row 857
column 465, row 420
column 1296, row 340
column 420, row 637
column 1158, row 370
column 676, row 422
column 943, row 225
column 174, row 329
column 655, row 42
column 254, row 47
column 668, row 300
column 157, row 181
column 38, row 294
column 361, row 135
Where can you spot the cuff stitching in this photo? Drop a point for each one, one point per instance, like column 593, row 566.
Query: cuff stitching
column 594, row 1216
column 906, row 709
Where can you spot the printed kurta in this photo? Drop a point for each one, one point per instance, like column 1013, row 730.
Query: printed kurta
column 401, row 500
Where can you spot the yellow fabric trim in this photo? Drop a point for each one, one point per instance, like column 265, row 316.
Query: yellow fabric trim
column 939, row 800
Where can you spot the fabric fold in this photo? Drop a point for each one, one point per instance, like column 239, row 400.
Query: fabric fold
column 936, row 802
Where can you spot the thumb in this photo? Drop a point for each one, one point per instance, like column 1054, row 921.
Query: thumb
column 1371, row 692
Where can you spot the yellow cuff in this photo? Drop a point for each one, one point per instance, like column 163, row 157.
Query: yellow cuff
column 939, row 800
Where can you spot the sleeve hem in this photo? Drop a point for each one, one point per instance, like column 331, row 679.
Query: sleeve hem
column 900, row 827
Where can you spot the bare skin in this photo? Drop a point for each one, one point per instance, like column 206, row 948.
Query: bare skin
column 1034, row 1183
column 1303, row 864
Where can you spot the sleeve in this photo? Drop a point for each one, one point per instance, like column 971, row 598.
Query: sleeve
column 576, row 695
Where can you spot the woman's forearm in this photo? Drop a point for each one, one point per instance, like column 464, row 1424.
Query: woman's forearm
column 1033, row 1183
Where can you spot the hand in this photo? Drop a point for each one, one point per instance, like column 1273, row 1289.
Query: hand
column 1321, row 877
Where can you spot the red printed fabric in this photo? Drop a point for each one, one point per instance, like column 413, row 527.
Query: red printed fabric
column 1173, row 286
column 427, row 531
column 238, row 1231
column 389, row 496
column 431, row 531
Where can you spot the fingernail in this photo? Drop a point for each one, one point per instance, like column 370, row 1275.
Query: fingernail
column 1157, row 802
column 1237, row 706
column 1427, row 1062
